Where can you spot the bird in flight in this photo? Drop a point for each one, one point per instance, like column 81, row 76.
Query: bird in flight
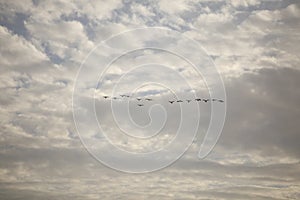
column 124, row 95
column 219, row 100
column 170, row 101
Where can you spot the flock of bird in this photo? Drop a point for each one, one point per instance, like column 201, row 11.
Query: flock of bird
column 139, row 99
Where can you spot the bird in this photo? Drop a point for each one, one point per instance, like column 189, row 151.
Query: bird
column 140, row 104
column 221, row 101
column 171, row 102
column 188, row 100
column 115, row 98
column 179, row 101
column 205, row 100
column 214, row 99
column 105, row 97
column 138, row 99
column 147, row 99
column 124, row 95
column 197, row 99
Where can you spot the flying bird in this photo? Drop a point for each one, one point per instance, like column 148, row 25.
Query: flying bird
column 138, row 99
column 124, row 95
column 140, row 104
column 171, row 102
column 221, row 101
column 197, row 99
column 115, row 98
column 147, row 99
column 188, row 100
column 105, row 97
column 179, row 101
column 205, row 100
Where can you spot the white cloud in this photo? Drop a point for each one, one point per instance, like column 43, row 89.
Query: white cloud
column 175, row 7
column 98, row 9
column 52, row 35
column 14, row 46
column 244, row 3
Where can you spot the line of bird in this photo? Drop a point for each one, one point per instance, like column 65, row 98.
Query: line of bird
column 170, row 101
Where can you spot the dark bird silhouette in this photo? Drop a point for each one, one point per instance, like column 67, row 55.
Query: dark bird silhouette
column 140, row 104
column 214, row 99
column 171, row 102
column 188, row 100
column 122, row 95
column 138, row 99
column 221, row 101
column 105, row 97
column 179, row 101
column 205, row 100
column 197, row 99
column 147, row 99
column 115, row 98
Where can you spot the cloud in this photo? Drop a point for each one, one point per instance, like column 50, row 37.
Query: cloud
column 254, row 46
column 175, row 8
column 244, row 3
column 15, row 46
column 270, row 103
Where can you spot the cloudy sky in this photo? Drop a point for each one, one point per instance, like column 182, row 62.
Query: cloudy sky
column 252, row 44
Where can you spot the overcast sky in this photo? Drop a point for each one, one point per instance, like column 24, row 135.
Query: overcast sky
column 253, row 44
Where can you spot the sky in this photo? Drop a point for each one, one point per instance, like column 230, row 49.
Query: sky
column 54, row 71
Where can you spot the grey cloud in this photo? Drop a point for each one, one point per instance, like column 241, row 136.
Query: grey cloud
column 269, row 121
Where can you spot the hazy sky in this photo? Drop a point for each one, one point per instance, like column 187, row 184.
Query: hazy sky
column 254, row 45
